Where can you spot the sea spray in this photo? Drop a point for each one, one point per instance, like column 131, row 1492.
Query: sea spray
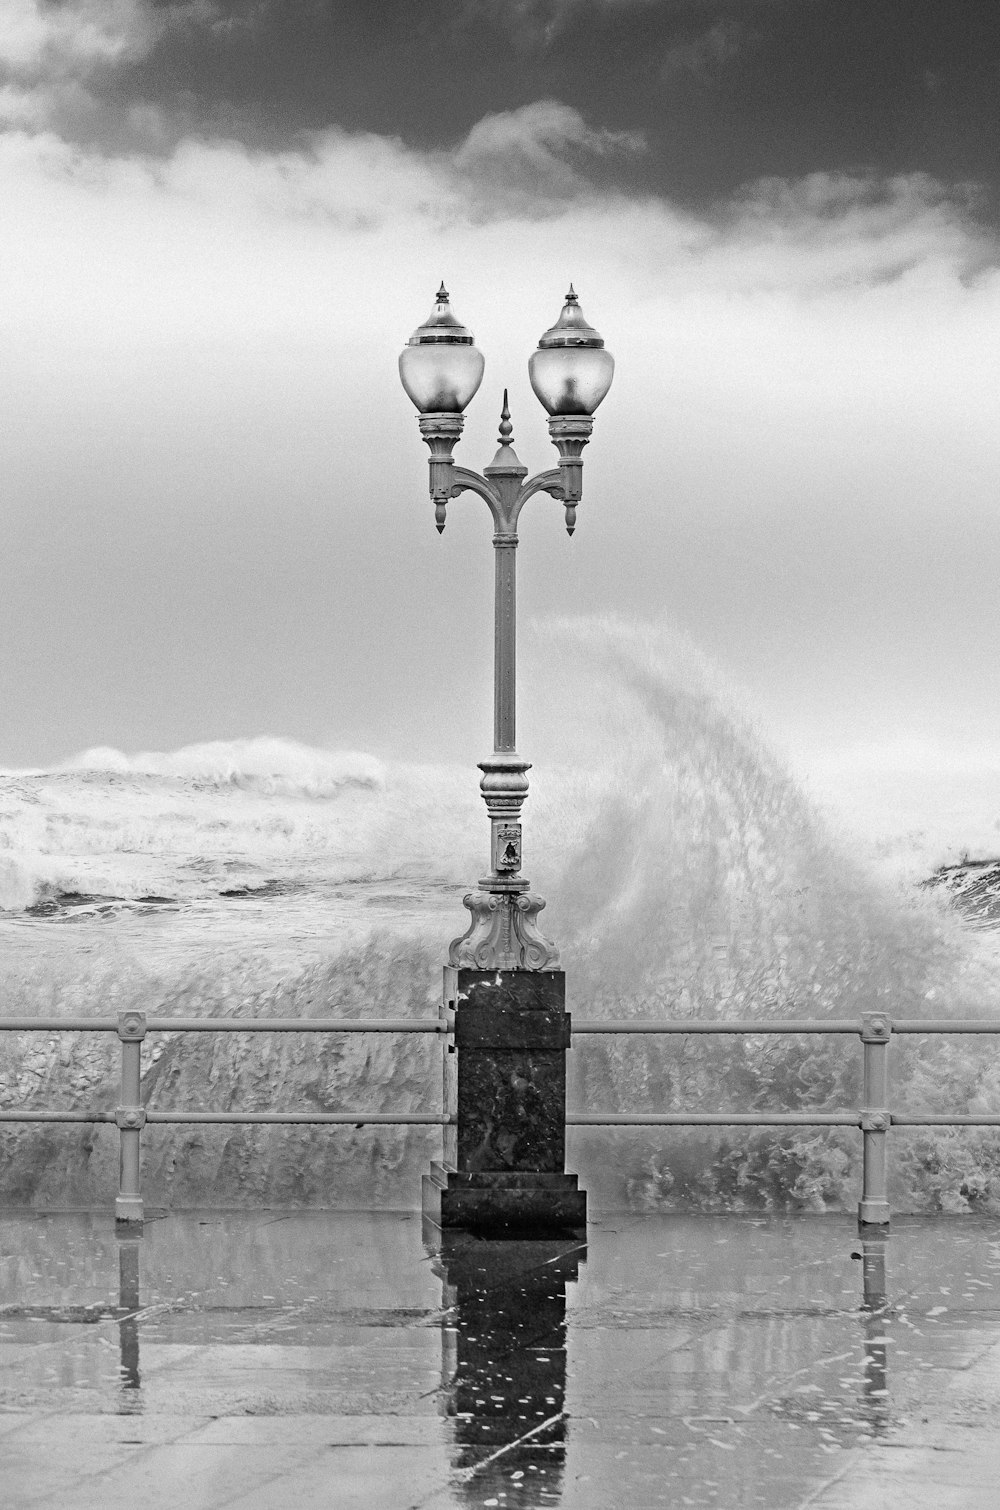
column 708, row 887
column 55, row 1166
column 687, row 876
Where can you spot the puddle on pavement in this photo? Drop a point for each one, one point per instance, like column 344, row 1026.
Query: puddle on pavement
column 726, row 1361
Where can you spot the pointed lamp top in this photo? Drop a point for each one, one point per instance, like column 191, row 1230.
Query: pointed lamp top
column 440, row 366
column 441, row 327
column 571, row 328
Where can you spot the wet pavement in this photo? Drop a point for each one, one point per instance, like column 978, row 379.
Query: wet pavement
column 335, row 1359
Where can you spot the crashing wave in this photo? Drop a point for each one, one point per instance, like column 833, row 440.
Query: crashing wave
column 272, row 766
column 687, row 876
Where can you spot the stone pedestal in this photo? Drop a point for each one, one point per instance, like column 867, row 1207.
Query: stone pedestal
column 505, row 1081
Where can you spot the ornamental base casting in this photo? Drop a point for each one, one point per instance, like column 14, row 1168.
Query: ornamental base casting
column 503, row 934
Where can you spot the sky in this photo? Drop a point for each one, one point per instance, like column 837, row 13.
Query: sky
column 221, row 221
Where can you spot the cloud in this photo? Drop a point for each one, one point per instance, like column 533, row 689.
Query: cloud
column 56, row 56
column 246, row 17
column 207, row 234
column 537, row 152
column 534, row 24
column 523, row 163
column 524, row 166
column 45, row 41
column 832, row 229
column 704, row 57
column 24, row 107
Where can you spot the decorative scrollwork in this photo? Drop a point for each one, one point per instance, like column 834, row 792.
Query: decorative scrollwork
column 503, row 934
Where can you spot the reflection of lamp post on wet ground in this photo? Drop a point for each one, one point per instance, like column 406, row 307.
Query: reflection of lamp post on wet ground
column 504, row 1160
column 504, row 1373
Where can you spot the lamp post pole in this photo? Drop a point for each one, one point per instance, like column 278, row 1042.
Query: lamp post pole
column 503, row 1164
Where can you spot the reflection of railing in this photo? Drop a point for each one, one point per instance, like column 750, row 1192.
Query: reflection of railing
column 874, row 1118
column 505, row 1349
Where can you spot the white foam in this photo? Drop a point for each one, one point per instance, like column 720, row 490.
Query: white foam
column 266, row 763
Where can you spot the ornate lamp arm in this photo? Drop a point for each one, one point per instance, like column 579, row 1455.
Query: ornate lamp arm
column 569, row 433
column 465, row 481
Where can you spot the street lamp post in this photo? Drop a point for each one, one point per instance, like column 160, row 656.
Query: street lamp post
column 503, row 979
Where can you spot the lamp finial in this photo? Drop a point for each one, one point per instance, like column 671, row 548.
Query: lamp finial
column 506, row 428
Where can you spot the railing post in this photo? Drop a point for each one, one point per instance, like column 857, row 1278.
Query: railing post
column 130, row 1117
column 876, row 1119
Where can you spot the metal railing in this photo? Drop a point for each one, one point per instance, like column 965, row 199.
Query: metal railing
column 874, row 1118
column 131, row 1116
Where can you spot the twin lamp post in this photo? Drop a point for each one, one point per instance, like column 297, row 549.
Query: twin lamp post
column 505, row 1081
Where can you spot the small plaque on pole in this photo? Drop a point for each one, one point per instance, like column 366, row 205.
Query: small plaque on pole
column 507, row 847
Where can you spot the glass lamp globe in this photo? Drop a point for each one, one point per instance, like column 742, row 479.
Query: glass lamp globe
column 571, row 372
column 440, row 367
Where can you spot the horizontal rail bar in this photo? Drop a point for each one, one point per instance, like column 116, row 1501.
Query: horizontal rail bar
column 58, row 1024
column 440, row 1025
column 357, row 1119
column 691, row 1025
column 230, row 1025
column 713, row 1119
column 26, row 1116
column 903, row 1119
column 573, row 1119
column 296, row 1025
column 415, row 1119
column 942, row 1025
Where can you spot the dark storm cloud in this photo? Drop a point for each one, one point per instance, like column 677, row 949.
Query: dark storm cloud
column 724, row 93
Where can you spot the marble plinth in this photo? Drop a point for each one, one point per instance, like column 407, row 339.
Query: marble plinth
column 505, row 1082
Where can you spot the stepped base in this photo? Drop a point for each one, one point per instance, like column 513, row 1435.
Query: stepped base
column 503, row 1201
